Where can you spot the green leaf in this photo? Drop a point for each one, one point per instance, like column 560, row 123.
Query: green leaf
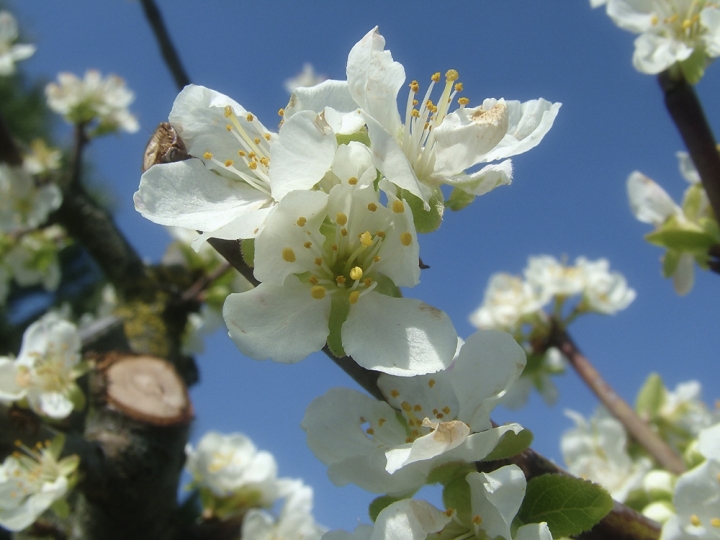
column 692, row 241
column 568, row 505
column 60, row 508
column 692, row 201
column 247, row 249
column 77, row 397
column 380, row 504
column 444, row 474
column 456, row 495
column 650, row 397
column 459, row 199
column 510, row 444
column 425, row 220
column 339, row 309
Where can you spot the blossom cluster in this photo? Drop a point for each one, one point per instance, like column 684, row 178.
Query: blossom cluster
column 32, row 480
column 10, row 52
column 686, row 33
column 333, row 203
column 598, row 448
column 517, row 305
column 44, row 373
column 235, row 479
column 94, row 99
column 685, row 231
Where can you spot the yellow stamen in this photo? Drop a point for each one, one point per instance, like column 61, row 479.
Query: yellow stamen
column 463, row 101
column 301, row 221
column 307, row 245
column 341, row 219
column 451, row 75
column 352, row 181
column 340, row 280
column 695, row 520
column 435, row 77
column 372, row 206
column 288, row 255
column 406, row 239
column 228, row 111
column 281, row 112
column 229, row 163
column 249, row 117
column 317, row 292
column 366, row 239
column 353, row 298
column 343, row 231
column 431, row 383
column 207, row 155
column 356, row 273
column 398, row 207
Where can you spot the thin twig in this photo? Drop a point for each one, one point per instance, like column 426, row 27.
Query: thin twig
column 167, row 48
column 230, row 251
column 76, row 161
column 204, row 282
column 687, row 113
column 618, row 407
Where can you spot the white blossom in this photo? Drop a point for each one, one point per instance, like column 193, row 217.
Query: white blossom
column 240, row 170
column 697, row 495
column 604, row 291
column 93, row 98
column 231, row 465
column 391, row 447
column 42, row 158
column 508, row 300
column 330, row 265
column 307, row 77
column 11, row 53
column 32, row 258
column 46, row 368
column 550, row 277
column 23, row 203
column 31, row 480
column 597, row 450
column 432, row 146
column 295, row 521
column 670, row 32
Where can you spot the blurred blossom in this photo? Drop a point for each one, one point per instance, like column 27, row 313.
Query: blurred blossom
column 307, row 77
column 95, row 99
column 23, row 203
column 9, row 53
column 42, row 158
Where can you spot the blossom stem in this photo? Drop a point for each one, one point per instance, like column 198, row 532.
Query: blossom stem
column 167, row 48
column 204, row 282
column 618, row 407
column 687, row 113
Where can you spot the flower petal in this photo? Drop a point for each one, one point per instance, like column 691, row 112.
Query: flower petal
column 648, row 201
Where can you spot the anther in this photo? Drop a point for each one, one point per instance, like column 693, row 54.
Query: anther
column 376, row 258
column 318, row 261
column 343, row 231
column 459, row 87
column 242, row 153
column 431, row 383
column 398, row 207
column 207, row 155
column 341, row 219
column 252, row 165
column 313, row 280
column 281, row 112
column 352, row 181
column 463, row 101
column 257, row 140
column 317, row 292
column 406, row 239
column 372, row 206
column 446, row 409
column 249, row 117
column 340, row 280
column 229, row 163
column 367, row 282
column 695, row 520
column 451, row 75
column 266, row 136
column 228, row 111
column 394, row 393
column 370, row 431
column 229, row 127
column 477, row 520
column 435, row 77
column 288, row 255
column 356, row 273
column 301, row 221
column 417, row 407
column 715, row 522
column 366, row 239
column 307, row 245
column 405, row 406
column 353, row 298
column 414, row 86
column 380, row 234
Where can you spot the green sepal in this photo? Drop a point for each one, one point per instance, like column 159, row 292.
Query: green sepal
column 359, row 136
column 56, row 445
column 693, row 68
column 510, row 444
column 650, row 397
column 687, row 240
column 446, row 473
column 247, row 250
column 381, row 503
column 339, row 309
column 456, row 496
column 692, row 201
column 77, row 398
column 568, row 505
column 387, row 286
column 426, row 221
column 670, row 262
column 60, row 508
column 710, row 226
column 458, row 199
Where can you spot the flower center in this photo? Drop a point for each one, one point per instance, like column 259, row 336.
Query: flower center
column 252, row 161
column 418, row 140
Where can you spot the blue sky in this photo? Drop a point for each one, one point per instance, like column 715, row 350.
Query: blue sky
column 568, row 196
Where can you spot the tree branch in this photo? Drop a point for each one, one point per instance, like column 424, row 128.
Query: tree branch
column 169, row 53
column 618, row 407
column 687, row 113
column 9, row 151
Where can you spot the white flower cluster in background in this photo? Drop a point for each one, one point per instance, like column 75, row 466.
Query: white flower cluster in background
column 333, row 203
column 10, row 52
column 307, row 77
column 517, row 305
column 682, row 31
column 596, row 449
column 97, row 100
column 235, row 479
column 33, row 479
column 686, row 231
column 24, row 204
column 43, row 374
